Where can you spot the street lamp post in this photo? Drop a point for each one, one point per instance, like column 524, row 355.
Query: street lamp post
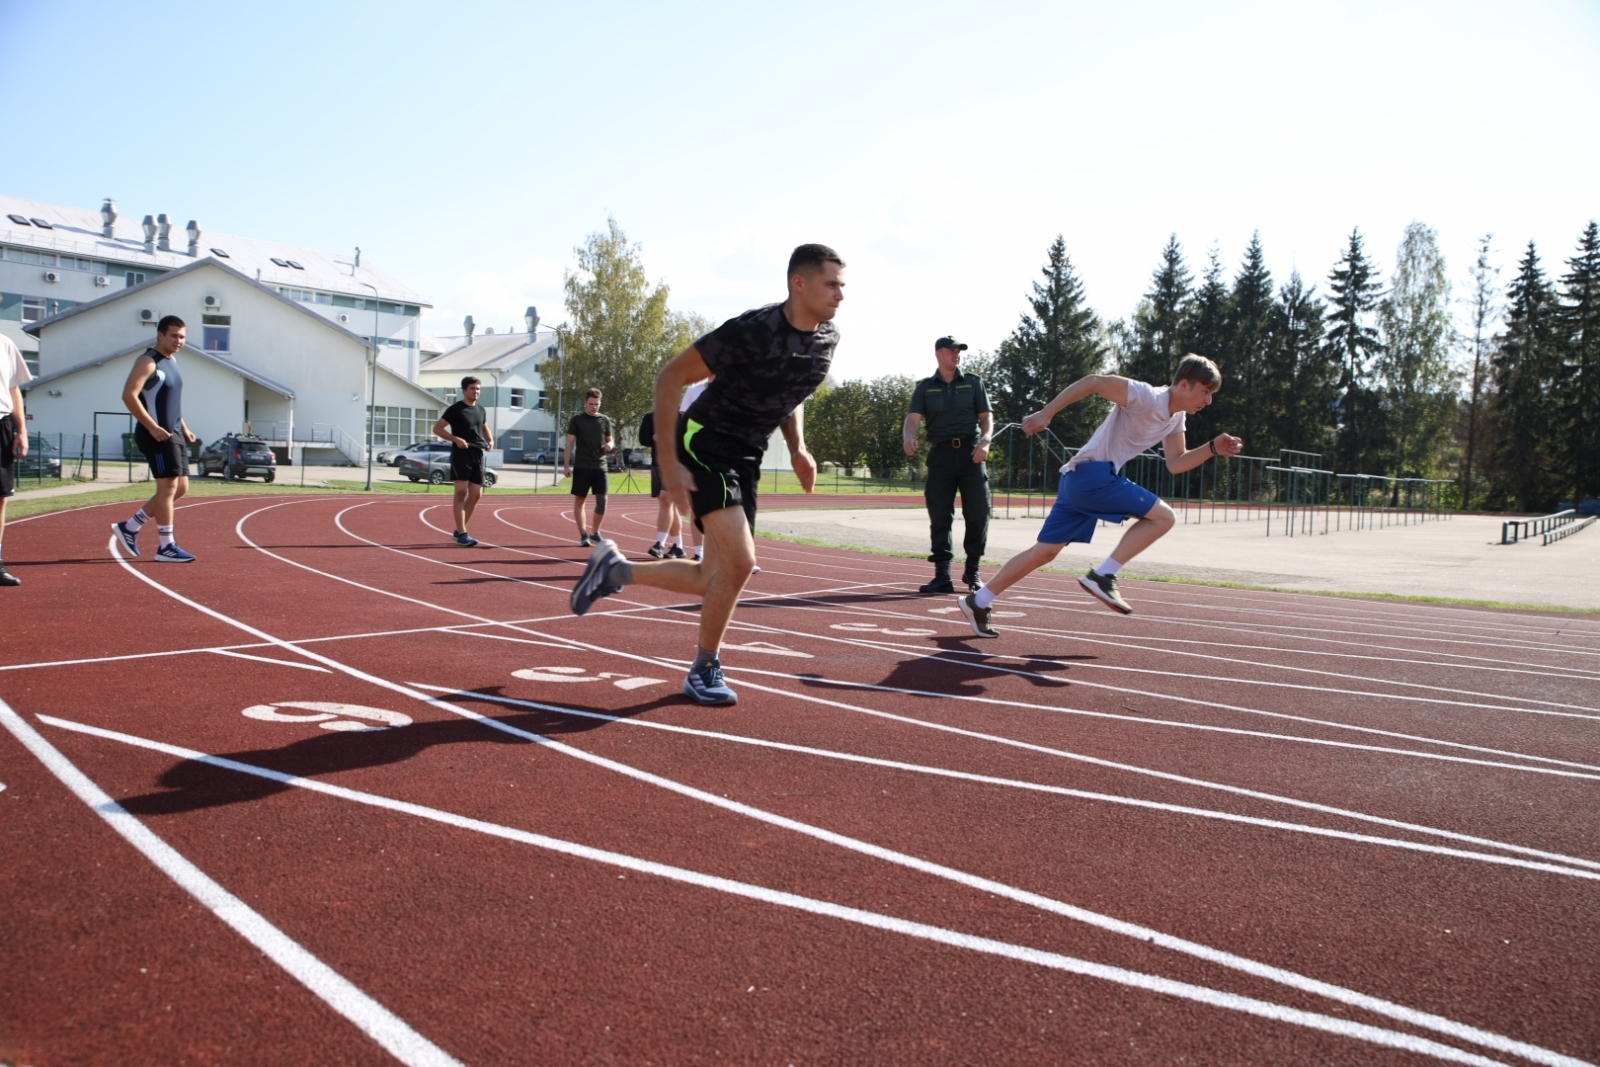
column 372, row 389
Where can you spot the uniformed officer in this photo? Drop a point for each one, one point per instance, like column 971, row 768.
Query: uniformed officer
column 960, row 426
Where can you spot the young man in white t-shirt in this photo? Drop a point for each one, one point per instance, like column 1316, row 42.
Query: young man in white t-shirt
column 1092, row 484
column 13, row 435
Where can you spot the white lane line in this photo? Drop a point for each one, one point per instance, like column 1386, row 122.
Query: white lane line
column 1012, row 783
column 1377, row 1005
column 269, row 659
column 880, row 921
column 339, row 993
column 995, row 738
column 1573, row 710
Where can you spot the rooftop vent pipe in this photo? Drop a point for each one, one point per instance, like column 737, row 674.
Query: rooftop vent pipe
column 194, row 237
column 469, row 326
column 163, row 232
column 358, row 256
column 150, row 233
column 108, row 216
column 531, row 317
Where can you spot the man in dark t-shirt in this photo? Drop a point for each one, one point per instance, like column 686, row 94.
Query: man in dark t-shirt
column 466, row 425
column 589, row 439
column 766, row 362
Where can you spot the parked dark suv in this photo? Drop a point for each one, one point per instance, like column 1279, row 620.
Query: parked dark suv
column 239, row 455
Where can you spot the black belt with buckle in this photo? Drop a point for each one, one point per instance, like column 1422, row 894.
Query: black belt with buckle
column 954, row 442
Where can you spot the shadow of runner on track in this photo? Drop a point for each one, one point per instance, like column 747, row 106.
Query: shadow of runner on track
column 965, row 675
column 191, row 785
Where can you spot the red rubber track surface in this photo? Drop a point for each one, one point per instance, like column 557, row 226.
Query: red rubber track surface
column 1248, row 810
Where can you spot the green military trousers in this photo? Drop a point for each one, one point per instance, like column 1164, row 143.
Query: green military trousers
column 951, row 470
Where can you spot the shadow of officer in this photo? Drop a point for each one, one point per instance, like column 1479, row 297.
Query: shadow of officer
column 960, row 426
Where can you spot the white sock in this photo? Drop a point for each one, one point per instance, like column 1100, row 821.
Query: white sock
column 166, row 535
column 1110, row 566
column 677, row 542
column 983, row 597
column 699, row 553
column 136, row 523
column 661, row 537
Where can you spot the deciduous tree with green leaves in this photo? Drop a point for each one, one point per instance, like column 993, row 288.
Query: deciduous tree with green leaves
column 1413, row 365
column 1483, row 309
column 619, row 330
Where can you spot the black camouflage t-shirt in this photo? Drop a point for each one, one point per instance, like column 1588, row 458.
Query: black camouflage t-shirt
column 765, row 368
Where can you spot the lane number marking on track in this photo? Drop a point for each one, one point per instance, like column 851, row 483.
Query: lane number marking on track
column 942, row 611
column 577, row 674
column 769, row 649
column 997, row 614
column 872, row 628
column 343, row 718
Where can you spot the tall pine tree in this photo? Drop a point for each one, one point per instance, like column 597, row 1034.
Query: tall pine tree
column 1299, row 382
column 1160, row 320
column 1049, row 350
column 1527, row 432
column 1414, row 366
column 1245, row 405
column 1482, row 309
column 1353, row 345
column 1580, row 335
column 1208, row 336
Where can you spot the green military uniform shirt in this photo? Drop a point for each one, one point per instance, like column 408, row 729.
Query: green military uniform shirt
column 950, row 409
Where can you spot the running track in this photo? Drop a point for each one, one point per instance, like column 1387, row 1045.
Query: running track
column 1235, row 827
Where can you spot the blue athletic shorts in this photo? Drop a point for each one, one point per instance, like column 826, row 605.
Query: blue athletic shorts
column 1091, row 492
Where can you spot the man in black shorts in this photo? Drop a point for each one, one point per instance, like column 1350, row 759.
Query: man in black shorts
column 13, row 435
column 766, row 362
column 588, row 440
column 466, row 425
column 669, row 524
column 153, row 394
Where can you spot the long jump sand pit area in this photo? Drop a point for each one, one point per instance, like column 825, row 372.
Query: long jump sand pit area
column 1459, row 557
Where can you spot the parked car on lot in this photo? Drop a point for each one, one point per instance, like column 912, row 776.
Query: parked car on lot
column 391, row 456
column 239, row 455
column 435, row 466
column 637, row 457
column 42, row 461
column 545, row 456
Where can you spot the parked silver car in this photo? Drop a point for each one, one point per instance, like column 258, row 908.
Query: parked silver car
column 415, row 450
column 435, row 466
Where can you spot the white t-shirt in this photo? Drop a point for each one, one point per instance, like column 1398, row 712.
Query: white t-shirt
column 1130, row 428
column 13, row 371
column 692, row 394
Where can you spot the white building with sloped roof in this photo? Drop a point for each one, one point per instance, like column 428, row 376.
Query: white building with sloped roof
column 518, row 402
column 53, row 258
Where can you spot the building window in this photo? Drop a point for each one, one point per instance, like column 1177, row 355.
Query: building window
column 216, row 329
column 361, row 305
column 133, row 278
column 519, row 398
column 513, row 440
column 324, row 298
column 395, row 426
column 544, row 400
column 31, row 359
column 450, row 396
column 32, row 308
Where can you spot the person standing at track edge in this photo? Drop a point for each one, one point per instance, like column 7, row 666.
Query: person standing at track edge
column 589, row 436
column 1093, row 486
column 153, row 394
column 960, row 427
column 766, row 362
column 466, row 426
column 13, row 434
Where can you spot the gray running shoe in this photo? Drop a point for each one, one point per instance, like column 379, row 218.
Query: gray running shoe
column 1103, row 587
column 657, row 551
column 978, row 617
column 707, row 687
column 675, row 552
column 593, row 584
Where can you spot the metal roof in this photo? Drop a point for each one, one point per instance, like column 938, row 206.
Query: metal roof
column 76, row 231
column 497, row 352
column 188, row 350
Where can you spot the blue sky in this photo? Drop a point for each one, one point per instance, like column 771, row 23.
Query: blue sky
column 940, row 147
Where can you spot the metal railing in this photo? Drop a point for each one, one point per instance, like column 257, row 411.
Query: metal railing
column 1514, row 530
column 319, row 434
column 1571, row 528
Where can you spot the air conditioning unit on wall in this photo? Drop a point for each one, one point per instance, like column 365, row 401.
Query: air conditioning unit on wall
column 149, row 315
column 344, row 318
column 101, row 280
column 51, row 276
column 213, row 302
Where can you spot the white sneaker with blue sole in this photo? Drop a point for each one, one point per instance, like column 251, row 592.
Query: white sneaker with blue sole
column 706, row 686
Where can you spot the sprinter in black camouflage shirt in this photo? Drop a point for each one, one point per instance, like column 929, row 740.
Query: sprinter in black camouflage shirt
column 766, row 362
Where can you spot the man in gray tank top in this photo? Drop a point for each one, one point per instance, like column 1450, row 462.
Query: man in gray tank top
column 153, row 394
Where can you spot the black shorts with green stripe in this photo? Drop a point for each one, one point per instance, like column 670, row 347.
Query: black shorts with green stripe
column 726, row 470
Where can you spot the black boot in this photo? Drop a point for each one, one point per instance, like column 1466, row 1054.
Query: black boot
column 941, row 580
column 970, row 575
column 7, row 578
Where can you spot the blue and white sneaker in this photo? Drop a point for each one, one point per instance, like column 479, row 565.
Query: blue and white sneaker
column 464, row 539
column 594, row 583
column 172, row 554
column 129, row 539
column 706, row 686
